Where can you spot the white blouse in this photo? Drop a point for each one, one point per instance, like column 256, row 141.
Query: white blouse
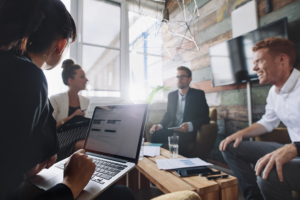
column 60, row 103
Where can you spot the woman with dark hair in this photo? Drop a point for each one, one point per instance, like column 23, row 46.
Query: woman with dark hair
column 69, row 104
column 33, row 35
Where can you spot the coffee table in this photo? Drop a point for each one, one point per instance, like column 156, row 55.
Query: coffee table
column 168, row 181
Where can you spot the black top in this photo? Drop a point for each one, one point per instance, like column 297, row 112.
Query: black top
column 196, row 109
column 72, row 110
column 27, row 127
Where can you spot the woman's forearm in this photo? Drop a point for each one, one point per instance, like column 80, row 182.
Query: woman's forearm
column 65, row 120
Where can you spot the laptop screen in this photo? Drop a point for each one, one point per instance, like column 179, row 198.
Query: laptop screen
column 116, row 130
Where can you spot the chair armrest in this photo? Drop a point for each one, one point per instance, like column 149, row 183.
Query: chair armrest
column 279, row 135
column 181, row 195
column 205, row 140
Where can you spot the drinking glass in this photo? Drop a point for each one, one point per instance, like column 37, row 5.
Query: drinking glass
column 173, row 146
column 142, row 150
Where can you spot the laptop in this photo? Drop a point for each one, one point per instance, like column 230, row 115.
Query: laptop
column 113, row 142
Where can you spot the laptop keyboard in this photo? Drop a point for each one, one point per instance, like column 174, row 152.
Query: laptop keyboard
column 104, row 170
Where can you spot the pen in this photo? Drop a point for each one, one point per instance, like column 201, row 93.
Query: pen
column 215, row 177
column 211, row 173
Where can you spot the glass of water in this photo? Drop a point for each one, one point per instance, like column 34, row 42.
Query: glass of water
column 173, row 146
column 142, row 150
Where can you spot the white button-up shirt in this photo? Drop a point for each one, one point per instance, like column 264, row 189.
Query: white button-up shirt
column 180, row 112
column 284, row 105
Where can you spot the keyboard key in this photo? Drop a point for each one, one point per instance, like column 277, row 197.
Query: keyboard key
column 99, row 174
column 102, row 182
column 105, row 176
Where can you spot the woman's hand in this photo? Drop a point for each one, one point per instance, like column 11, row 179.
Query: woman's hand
column 78, row 171
column 78, row 112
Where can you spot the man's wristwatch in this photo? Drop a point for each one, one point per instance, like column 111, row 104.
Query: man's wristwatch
column 297, row 145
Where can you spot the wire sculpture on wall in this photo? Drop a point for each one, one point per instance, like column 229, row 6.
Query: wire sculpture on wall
column 170, row 34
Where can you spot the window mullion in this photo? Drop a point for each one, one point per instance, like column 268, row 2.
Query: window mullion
column 125, row 72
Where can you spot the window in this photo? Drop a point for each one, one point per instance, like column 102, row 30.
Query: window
column 145, row 58
column 101, row 44
column 101, row 47
column 54, row 79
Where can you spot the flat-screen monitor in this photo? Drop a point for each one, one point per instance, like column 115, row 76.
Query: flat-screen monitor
column 231, row 61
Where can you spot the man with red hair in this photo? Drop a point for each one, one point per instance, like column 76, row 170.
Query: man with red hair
column 277, row 167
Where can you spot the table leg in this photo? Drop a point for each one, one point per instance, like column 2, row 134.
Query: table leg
column 143, row 182
column 133, row 182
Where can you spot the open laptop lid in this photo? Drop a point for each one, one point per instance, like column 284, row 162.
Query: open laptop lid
column 117, row 131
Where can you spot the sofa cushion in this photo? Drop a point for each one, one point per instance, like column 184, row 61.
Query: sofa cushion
column 181, row 195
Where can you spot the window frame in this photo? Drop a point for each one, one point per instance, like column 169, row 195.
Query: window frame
column 77, row 47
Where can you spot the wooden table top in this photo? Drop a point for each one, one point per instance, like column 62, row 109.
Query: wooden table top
column 168, row 181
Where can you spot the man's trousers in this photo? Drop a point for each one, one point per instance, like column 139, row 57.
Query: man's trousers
column 161, row 136
column 255, row 187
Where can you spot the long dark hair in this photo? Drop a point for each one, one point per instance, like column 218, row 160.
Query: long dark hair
column 32, row 25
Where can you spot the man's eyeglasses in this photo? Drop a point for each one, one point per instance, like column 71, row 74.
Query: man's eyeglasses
column 181, row 77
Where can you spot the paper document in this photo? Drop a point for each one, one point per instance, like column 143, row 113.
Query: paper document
column 151, row 151
column 180, row 163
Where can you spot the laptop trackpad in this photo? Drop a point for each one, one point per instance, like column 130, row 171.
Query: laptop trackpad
column 52, row 182
column 91, row 190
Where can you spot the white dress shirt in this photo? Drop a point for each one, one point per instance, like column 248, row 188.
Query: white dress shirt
column 284, row 105
column 180, row 112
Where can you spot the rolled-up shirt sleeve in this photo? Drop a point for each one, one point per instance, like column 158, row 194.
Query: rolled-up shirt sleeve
column 161, row 126
column 270, row 119
column 190, row 127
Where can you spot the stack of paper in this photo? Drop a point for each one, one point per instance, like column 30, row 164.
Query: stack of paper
column 154, row 144
column 151, row 151
column 167, row 164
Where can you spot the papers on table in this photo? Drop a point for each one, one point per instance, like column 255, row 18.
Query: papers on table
column 154, row 144
column 151, row 151
column 180, row 163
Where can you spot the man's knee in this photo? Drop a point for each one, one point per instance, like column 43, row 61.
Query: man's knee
column 229, row 150
column 270, row 184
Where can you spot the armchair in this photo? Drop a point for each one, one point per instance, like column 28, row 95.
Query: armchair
column 182, row 195
column 206, row 137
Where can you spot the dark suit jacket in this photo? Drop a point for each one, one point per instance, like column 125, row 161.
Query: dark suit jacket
column 196, row 109
column 27, row 127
